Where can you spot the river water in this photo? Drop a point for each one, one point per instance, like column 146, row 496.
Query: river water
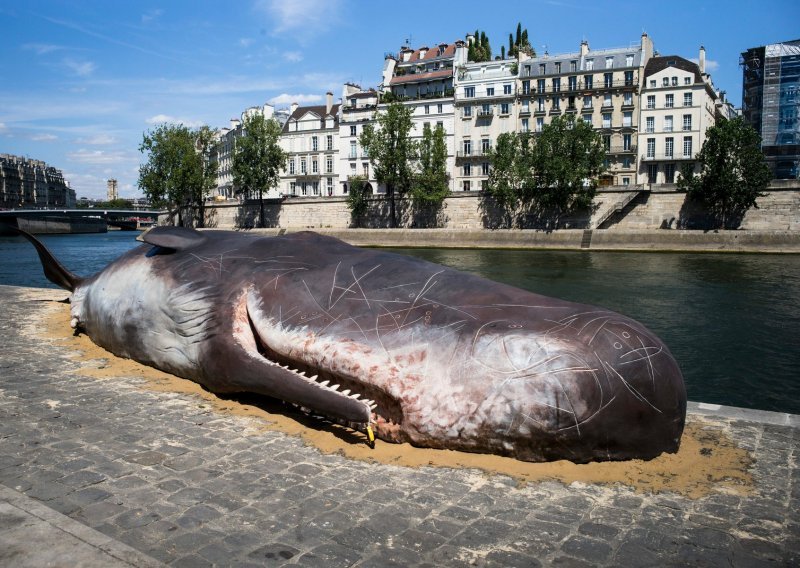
column 731, row 320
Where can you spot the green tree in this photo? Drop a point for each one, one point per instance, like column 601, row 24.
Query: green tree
column 479, row 49
column 510, row 167
column 391, row 151
column 258, row 158
column 733, row 173
column 566, row 159
column 178, row 171
column 357, row 198
column 430, row 187
column 521, row 43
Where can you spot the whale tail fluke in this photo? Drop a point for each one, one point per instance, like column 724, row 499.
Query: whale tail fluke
column 53, row 269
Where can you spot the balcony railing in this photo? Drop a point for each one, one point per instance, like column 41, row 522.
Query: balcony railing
column 630, row 149
column 666, row 157
column 476, row 153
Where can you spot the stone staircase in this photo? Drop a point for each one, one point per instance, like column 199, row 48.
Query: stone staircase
column 617, row 206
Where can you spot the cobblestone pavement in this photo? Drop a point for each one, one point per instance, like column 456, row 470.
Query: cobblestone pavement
column 182, row 484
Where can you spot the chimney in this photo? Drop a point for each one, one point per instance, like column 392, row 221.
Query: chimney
column 647, row 49
column 701, row 62
column 293, row 108
column 584, row 48
column 328, row 102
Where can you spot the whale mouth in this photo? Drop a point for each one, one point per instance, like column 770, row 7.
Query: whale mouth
column 386, row 413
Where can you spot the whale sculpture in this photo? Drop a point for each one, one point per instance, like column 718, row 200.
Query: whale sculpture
column 410, row 350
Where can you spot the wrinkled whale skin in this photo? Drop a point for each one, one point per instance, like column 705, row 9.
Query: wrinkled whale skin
column 426, row 354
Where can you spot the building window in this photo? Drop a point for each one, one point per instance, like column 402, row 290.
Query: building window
column 541, row 69
column 589, row 64
column 587, row 118
column 540, row 88
column 507, row 89
column 329, row 142
column 670, row 101
column 651, row 101
column 485, row 168
column 489, row 91
column 668, row 123
column 607, row 120
column 607, row 142
column 314, row 144
column 539, row 124
column 365, row 169
column 427, row 109
column 626, row 180
column 556, row 103
column 609, row 62
column 626, row 142
column 526, row 87
column 303, row 169
column 314, row 166
column 467, row 147
column 687, row 99
column 440, row 124
column 573, row 65
column 315, row 187
column 629, row 61
column 572, row 82
column 465, row 185
column 353, row 130
column 626, row 162
column 669, row 173
column 330, row 186
column 587, row 101
column 665, row 82
column 627, row 99
column 292, row 188
column 556, row 85
column 558, row 67
column 291, row 166
column 526, row 105
column 353, row 153
column 652, row 83
column 303, row 189
column 652, row 173
column 486, row 145
column 439, row 108
column 607, row 100
column 650, row 124
column 466, row 169
column 503, row 108
column 669, row 147
column 467, row 111
column 651, row 147
column 588, row 80
column 608, row 80
column 687, row 146
column 525, row 126
column 674, row 81
column 329, row 165
column 486, row 109
column 469, row 92
column 687, row 121
column 687, row 80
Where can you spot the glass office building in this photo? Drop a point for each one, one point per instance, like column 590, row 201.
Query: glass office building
column 771, row 103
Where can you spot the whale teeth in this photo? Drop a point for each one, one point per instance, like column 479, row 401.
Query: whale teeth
column 334, row 387
column 301, row 373
column 355, row 396
column 314, row 378
column 325, row 383
column 346, row 392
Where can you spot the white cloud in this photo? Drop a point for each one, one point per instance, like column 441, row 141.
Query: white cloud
column 711, row 65
column 293, row 56
column 80, row 68
column 306, row 15
column 3, row 127
column 151, row 15
column 286, row 99
column 246, row 42
column 99, row 157
column 162, row 118
column 44, row 137
column 41, row 48
column 97, row 140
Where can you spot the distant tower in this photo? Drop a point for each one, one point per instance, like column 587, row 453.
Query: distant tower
column 112, row 190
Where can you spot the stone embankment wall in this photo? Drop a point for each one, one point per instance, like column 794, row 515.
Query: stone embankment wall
column 615, row 209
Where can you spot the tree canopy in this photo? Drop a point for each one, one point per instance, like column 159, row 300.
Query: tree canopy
column 554, row 170
column 258, row 158
column 479, row 49
column 520, row 43
column 357, row 198
column 733, row 173
column 178, row 171
column 430, row 184
column 391, row 151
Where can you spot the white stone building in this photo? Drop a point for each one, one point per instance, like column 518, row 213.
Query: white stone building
column 678, row 104
column 357, row 110
column 310, row 139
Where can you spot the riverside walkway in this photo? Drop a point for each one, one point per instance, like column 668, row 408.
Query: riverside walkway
column 109, row 472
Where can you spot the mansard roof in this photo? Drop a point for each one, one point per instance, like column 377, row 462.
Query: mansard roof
column 319, row 110
column 661, row 62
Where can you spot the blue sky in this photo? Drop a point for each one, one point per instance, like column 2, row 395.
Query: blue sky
column 82, row 81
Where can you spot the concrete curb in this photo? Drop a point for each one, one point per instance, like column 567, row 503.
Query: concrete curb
column 32, row 534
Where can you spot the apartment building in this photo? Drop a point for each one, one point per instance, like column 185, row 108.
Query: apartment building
column 310, row 139
column 485, row 107
column 600, row 87
column 423, row 80
column 357, row 110
column 678, row 104
column 26, row 183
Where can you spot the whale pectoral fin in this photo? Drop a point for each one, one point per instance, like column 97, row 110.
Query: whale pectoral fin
column 262, row 376
column 173, row 238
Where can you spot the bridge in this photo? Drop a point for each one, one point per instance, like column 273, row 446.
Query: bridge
column 78, row 220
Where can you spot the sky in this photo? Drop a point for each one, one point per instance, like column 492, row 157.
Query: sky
column 82, row 82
